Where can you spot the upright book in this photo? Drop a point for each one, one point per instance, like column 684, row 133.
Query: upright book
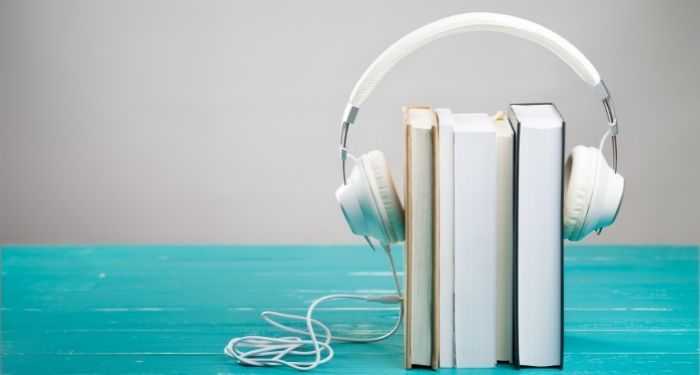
column 504, row 239
column 445, row 237
column 421, row 123
column 538, row 284
column 474, row 240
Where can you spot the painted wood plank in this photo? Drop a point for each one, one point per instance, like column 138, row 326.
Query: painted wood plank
column 154, row 309
column 369, row 364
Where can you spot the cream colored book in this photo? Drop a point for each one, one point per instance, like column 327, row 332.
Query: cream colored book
column 420, row 340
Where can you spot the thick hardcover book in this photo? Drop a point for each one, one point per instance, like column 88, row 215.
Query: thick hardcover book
column 538, row 252
column 475, row 206
column 419, row 332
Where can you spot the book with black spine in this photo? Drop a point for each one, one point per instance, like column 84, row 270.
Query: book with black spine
column 538, row 283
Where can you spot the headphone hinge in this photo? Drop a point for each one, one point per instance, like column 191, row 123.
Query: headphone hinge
column 601, row 91
column 350, row 113
column 343, row 140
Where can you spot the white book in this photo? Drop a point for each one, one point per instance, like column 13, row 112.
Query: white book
column 420, row 195
column 504, row 241
column 475, row 240
column 445, row 177
column 537, row 334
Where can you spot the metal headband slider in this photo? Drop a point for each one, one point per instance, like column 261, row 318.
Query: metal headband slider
column 350, row 113
column 343, row 140
column 613, row 128
column 601, row 91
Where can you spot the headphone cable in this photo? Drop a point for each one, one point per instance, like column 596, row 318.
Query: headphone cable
column 272, row 351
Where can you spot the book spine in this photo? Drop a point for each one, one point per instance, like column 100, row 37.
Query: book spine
column 420, row 241
column 538, row 257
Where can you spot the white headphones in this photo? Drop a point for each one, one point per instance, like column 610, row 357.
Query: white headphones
column 373, row 209
column 593, row 190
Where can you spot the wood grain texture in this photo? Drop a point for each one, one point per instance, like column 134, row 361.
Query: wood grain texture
column 171, row 309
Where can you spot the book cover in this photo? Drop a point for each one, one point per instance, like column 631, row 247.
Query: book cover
column 419, row 326
column 538, row 299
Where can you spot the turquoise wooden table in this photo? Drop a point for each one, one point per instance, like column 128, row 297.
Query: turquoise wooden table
column 171, row 309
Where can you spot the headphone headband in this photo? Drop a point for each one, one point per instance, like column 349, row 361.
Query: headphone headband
column 466, row 22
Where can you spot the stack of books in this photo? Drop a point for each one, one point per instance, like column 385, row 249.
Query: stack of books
column 483, row 258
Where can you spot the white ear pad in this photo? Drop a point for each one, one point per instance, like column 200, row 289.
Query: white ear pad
column 385, row 195
column 357, row 204
column 370, row 202
column 579, row 176
column 350, row 205
column 593, row 193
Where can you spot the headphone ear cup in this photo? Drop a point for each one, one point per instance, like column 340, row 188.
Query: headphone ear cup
column 579, row 180
column 353, row 197
column 385, row 195
column 369, row 200
column 593, row 193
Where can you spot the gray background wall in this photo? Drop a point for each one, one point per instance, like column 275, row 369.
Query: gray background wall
column 217, row 122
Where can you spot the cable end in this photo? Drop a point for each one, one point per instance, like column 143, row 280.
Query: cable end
column 388, row 298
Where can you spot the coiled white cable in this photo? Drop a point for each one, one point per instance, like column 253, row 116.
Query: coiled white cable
column 271, row 351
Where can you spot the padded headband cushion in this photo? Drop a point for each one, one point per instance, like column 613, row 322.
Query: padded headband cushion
column 468, row 22
column 580, row 179
column 384, row 193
